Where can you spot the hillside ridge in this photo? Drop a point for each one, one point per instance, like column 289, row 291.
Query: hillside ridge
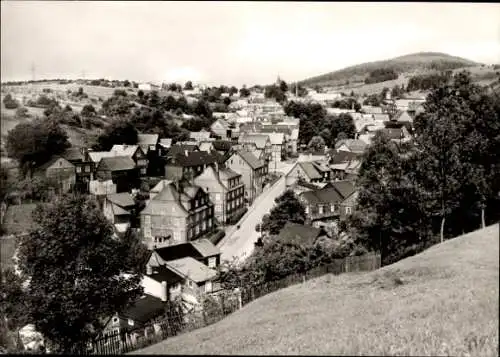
column 404, row 63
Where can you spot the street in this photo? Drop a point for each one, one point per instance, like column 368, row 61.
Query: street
column 240, row 242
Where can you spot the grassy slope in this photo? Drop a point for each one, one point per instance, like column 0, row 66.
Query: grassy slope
column 407, row 63
column 447, row 304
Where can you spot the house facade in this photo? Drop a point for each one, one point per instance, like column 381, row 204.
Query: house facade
column 252, row 170
column 180, row 212
column 226, row 190
column 190, row 164
column 121, row 170
column 84, row 167
column 308, row 171
column 119, row 208
column 60, row 171
column 135, row 153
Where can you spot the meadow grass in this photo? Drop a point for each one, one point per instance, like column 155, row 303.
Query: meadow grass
column 441, row 302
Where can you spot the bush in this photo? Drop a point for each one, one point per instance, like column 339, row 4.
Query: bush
column 10, row 103
column 217, row 236
column 237, row 216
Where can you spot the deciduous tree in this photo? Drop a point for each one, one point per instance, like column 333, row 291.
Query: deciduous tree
column 75, row 269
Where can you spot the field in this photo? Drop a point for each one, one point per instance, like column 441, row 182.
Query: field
column 443, row 301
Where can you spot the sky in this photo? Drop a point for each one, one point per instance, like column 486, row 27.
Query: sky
column 232, row 43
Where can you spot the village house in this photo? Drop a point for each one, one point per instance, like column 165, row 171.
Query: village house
column 199, row 136
column 202, row 250
column 252, row 170
column 312, row 156
column 135, row 153
column 343, row 164
column 352, row 145
column 149, row 144
column 163, row 146
column 330, row 203
column 121, row 170
column 278, row 147
column 177, row 278
column 299, row 234
column 308, row 171
column 397, row 135
column 222, row 129
column 190, row 164
column 119, row 208
column 60, row 171
column 226, row 190
column 141, row 312
column 84, row 167
column 206, row 146
column 260, row 141
column 178, row 213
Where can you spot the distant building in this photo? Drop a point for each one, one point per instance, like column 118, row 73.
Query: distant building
column 60, row 171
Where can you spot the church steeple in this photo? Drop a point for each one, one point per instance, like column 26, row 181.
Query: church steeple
column 278, row 80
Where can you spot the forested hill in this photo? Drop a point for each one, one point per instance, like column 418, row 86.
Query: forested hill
column 407, row 63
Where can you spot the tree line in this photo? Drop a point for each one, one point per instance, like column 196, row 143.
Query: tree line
column 314, row 121
column 381, row 75
column 445, row 183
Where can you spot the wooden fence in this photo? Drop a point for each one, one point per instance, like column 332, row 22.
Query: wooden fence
column 223, row 304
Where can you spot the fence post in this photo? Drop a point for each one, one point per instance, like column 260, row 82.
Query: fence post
column 238, row 294
column 304, row 278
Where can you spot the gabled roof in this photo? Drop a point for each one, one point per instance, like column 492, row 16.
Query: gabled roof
column 277, row 138
column 393, row 133
column 299, row 234
column 326, row 195
column 345, row 188
column 182, row 148
column 222, row 145
column 221, row 121
column 52, row 161
column 118, row 211
column 116, row 163
column 196, row 158
column 250, row 159
column 170, row 195
column 97, row 156
column 166, row 142
column 310, row 170
column 144, row 309
column 199, row 135
column 123, row 199
column 227, row 173
column 341, row 156
column 147, row 139
column 191, row 268
column 73, row 154
column 259, row 139
column 197, row 249
column 252, row 127
column 125, row 150
column 353, row 144
column 403, row 115
column 205, row 248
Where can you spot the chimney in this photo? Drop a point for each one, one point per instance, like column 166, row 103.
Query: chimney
column 163, row 296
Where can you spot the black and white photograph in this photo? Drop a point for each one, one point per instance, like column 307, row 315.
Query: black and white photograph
column 249, row 178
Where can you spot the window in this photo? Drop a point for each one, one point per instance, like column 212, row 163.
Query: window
column 211, row 262
column 130, row 322
column 307, row 209
column 333, row 208
column 348, row 210
column 78, row 169
column 190, row 283
column 320, row 209
column 87, row 168
column 208, row 287
column 143, row 170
